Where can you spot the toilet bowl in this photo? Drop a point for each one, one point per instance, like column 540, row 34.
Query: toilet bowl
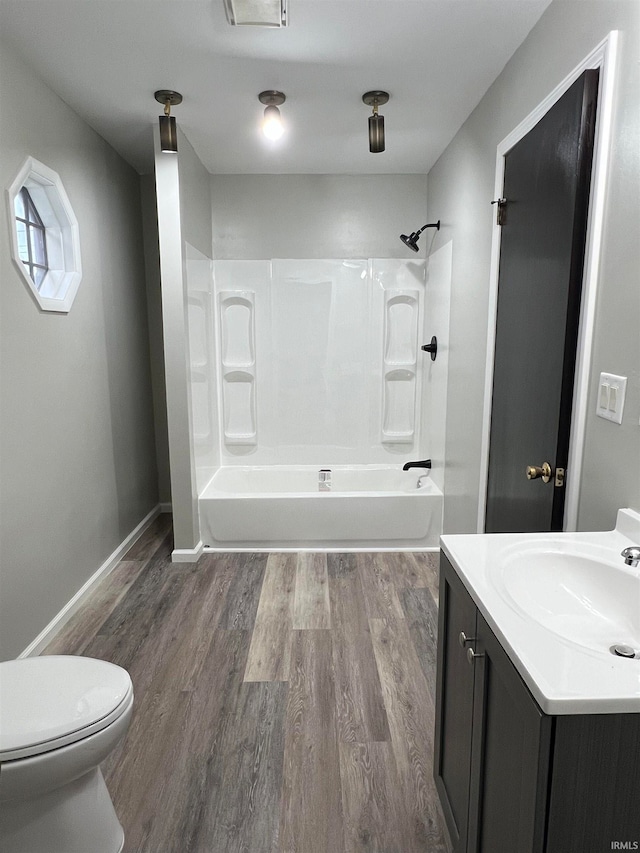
column 60, row 716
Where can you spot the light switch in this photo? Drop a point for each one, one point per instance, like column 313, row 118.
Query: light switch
column 605, row 388
column 611, row 393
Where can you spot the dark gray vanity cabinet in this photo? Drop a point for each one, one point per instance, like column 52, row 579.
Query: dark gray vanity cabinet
column 512, row 779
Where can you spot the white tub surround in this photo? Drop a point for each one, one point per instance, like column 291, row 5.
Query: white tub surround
column 317, row 359
column 315, row 364
column 373, row 507
column 558, row 602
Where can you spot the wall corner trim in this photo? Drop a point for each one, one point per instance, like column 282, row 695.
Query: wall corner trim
column 187, row 555
column 62, row 617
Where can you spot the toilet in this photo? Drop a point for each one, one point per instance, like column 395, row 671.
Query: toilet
column 60, row 716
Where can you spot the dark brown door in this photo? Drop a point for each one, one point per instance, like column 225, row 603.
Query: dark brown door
column 546, row 186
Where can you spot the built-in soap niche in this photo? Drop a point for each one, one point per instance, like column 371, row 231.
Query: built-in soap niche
column 401, row 313
column 199, row 312
column 401, row 327
column 237, row 328
column 237, row 341
column 198, row 338
column 239, row 401
column 200, row 405
column 399, row 407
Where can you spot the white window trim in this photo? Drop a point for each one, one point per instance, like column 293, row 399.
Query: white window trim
column 60, row 285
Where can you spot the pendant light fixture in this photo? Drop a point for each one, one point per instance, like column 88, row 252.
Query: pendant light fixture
column 376, row 122
column 168, row 134
column 272, row 126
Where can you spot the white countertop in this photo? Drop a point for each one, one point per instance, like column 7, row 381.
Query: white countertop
column 564, row 676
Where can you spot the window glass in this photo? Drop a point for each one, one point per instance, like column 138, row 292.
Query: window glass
column 38, row 276
column 23, row 240
column 19, row 204
column 32, row 238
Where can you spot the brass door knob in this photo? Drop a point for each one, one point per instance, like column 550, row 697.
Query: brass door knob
column 544, row 472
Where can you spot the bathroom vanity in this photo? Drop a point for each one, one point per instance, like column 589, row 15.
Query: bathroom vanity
column 537, row 741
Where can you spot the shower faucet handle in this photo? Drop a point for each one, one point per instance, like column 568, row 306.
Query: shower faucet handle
column 432, row 348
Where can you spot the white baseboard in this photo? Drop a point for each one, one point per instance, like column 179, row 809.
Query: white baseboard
column 427, row 549
column 60, row 619
column 165, row 507
column 187, row 555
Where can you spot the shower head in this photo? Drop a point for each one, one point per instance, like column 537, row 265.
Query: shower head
column 412, row 240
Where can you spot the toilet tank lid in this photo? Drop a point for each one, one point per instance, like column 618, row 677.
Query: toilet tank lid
column 46, row 698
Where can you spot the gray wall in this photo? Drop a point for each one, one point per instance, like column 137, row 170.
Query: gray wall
column 195, row 201
column 156, row 341
column 315, row 216
column 460, row 189
column 77, row 465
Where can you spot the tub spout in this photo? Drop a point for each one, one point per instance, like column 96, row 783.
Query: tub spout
column 424, row 463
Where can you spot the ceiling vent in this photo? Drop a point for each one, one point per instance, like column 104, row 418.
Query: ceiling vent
column 256, row 13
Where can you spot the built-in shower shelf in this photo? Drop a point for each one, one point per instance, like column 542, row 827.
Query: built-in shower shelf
column 399, row 406
column 237, row 341
column 200, row 405
column 200, row 351
column 198, row 332
column 237, row 328
column 401, row 315
column 401, row 327
column 239, row 401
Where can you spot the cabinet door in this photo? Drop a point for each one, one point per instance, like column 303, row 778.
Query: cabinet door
column 510, row 755
column 595, row 791
column 454, row 704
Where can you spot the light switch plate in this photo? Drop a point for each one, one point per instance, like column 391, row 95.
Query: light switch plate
column 611, row 394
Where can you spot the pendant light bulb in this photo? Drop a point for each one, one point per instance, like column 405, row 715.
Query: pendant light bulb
column 272, row 124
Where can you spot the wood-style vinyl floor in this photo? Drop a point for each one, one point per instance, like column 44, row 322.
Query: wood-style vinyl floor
column 284, row 703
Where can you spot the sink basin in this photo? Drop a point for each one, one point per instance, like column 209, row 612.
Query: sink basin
column 558, row 602
column 582, row 596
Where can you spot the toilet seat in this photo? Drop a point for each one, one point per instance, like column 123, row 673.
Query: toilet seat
column 53, row 701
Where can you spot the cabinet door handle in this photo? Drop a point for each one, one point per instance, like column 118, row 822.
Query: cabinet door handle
column 463, row 639
column 471, row 655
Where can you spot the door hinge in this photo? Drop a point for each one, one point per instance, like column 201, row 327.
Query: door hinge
column 501, row 212
column 559, row 478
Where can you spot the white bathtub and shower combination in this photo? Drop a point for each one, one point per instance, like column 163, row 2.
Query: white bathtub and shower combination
column 304, row 365
column 278, row 507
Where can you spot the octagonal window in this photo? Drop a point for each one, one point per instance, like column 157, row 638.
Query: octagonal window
column 44, row 236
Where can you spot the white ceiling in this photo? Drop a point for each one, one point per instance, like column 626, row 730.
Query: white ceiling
column 436, row 58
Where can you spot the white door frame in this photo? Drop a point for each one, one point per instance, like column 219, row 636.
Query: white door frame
column 602, row 57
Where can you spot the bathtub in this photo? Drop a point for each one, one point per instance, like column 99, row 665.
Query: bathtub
column 369, row 507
